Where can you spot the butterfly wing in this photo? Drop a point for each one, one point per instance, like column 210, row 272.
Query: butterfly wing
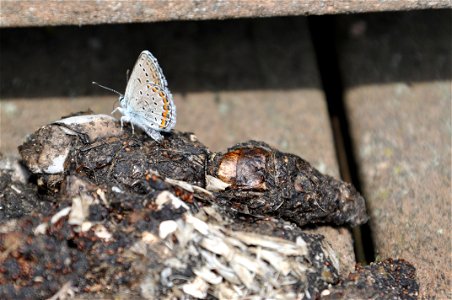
column 147, row 99
column 152, row 107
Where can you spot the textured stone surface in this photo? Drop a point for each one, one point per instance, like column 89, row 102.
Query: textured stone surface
column 232, row 81
column 295, row 121
column 401, row 127
column 39, row 13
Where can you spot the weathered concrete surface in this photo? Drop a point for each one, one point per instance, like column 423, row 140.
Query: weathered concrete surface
column 295, row 121
column 401, row 127
column 232, row 81
column 40, row 13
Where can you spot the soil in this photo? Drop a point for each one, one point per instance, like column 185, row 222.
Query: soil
column 111, row 214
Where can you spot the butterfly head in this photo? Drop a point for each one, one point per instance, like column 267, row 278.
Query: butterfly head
column 121, row 100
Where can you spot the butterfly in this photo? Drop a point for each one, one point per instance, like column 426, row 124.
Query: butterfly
column 147, row 101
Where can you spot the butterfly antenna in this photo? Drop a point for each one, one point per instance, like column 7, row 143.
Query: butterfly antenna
column 107, row 88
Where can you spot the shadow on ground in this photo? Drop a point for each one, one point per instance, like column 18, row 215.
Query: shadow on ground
column 245, row 54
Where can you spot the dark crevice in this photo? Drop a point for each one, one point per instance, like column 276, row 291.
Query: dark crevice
column 323, row 35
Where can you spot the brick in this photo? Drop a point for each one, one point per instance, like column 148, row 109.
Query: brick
column 396, row 70
column 41, row 13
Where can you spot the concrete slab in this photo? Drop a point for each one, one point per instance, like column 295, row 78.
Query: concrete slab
column 40, row 13
column 396, row 69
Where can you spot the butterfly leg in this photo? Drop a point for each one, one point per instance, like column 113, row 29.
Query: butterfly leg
column 119, row 108
column 125, row 119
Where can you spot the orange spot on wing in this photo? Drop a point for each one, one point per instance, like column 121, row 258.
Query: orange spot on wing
column 165, row 113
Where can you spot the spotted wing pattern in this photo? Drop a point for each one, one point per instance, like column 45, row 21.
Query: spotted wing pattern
column 147, row 101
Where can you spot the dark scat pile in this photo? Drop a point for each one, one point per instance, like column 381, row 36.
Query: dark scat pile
column 37, row 262
column 128, row 217
column 373, row 282
column 18, row 199
column 265, row 181
column 260, row 180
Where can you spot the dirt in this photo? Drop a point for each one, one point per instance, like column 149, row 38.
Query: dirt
column 111, row 214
